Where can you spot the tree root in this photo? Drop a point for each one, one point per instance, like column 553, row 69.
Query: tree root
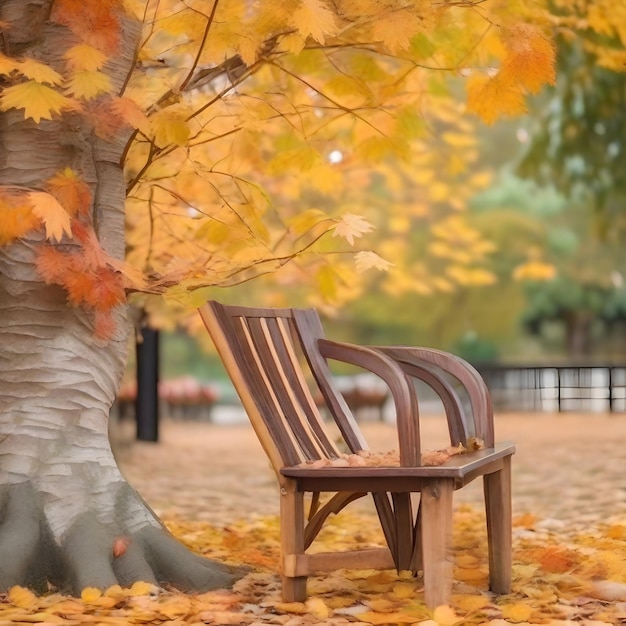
column 95, row 554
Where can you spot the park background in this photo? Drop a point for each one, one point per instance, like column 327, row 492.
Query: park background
column 398, row 203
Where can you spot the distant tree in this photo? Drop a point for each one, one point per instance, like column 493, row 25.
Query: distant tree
column 573, row 305
column 577, row 128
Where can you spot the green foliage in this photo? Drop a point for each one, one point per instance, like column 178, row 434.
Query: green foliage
column 577, row 131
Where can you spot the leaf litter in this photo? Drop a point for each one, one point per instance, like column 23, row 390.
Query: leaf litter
column 560, row 577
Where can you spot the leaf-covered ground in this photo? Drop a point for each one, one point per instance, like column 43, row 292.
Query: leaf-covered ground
column 213, row 487
column 559, row 577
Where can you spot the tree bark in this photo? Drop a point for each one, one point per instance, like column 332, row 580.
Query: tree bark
column 63, row 501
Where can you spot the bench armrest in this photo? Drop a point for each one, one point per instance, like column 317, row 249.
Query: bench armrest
column 423, row 363
column 402, row 391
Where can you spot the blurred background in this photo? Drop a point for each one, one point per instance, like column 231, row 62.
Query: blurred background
column 517, row 261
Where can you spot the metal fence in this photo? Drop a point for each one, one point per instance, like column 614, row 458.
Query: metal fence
column 588, row 388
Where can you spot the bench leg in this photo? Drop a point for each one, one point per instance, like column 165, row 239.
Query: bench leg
column 291, row 541
column 436, row 524
column 497, row 488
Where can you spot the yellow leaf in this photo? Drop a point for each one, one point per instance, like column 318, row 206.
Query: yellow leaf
column 318, row 608
column 517, row 612
column 8, row 65
column 474, row 576
column 445, row 616
column 366, row 260
column 470, row 603
column 490, row 98
column 170, row 126
column 459, row 140
column 177, row 606
column 534, row 270
column 388, row 618
column 397, row 28
column 616, row 531
column 88, row 84
column 291, row 607
column 82, row 56
column 22, row 598
column 90, row 594
column 141, row 588
column 481, row 179
column 404, row 591
column 470, row 276
column 72, row 193
column 381, row 605
column 313, row 18
column 51, row 213
column 248, row 50
column 309, row 219
column 292, row 43
column 351, row 226
column 327, row 283
column 39, row 72
column 115, row 591
column 38, row 101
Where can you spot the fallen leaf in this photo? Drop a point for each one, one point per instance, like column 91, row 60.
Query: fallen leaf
column 119, row 546
column 89, row 594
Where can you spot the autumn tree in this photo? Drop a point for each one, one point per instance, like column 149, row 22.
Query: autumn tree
column 198, row 127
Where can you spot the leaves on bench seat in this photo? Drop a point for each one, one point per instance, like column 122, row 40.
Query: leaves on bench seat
column 367, row 458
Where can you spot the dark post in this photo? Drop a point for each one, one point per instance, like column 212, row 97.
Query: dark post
column 147, row 404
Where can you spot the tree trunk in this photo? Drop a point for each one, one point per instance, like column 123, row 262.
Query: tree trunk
column 578, row 334
column 63, row 501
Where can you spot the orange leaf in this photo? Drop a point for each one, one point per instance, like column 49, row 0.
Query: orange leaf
column 104, row 325
column 531, row 58
column 79, row 286
column 96, row 23
column 517, row 612
column 555, row 559
column 93, row 255
column 53, row 264
column 132, row 277
column 107, row 290
column 16, row 216
column 22, row 597
column 131, row 113
column 105, row 120
column 119, row 546
column 71, row 192
column 491, row 98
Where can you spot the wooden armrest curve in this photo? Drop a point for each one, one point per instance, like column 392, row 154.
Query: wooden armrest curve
column 411, row 359
column 402, row 392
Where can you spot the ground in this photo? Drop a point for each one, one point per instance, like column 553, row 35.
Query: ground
column 568, row 468
column 213, row 487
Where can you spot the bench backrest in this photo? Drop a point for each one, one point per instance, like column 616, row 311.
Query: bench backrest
column 271, row 357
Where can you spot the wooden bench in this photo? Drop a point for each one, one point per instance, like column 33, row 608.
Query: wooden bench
column 278, row 360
